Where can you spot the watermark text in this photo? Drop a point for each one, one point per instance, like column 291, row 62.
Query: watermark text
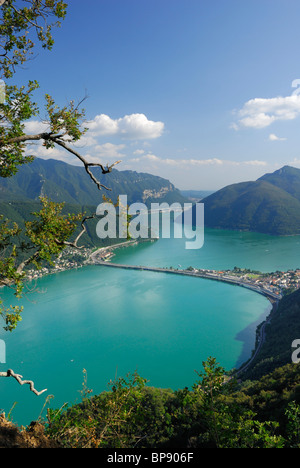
column 162, row 220
column 2, row 352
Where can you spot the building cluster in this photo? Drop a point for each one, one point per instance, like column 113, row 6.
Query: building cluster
column 69, row 259
column 106, row 256
column 279, row 282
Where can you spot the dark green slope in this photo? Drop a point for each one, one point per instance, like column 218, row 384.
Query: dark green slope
column 280, row 333
column 287, row 178
column 71, row 184
column 61, row 182
column 21, row 211
column 271, row 205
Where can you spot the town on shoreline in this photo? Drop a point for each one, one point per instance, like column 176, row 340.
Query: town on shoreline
column 278, row 283
column 72, row 258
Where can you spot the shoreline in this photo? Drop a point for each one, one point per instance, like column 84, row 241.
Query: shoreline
column 260, row 339
column 106, row 253
column 128, row 243
column 87, row 253
column 204, row 274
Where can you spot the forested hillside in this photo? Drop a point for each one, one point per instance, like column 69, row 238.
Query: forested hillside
column 62, row 182
column 270, row 205
column 282, row 330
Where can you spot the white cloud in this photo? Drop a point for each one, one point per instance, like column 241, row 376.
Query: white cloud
column 103, row 125
column 187, row 163
column 144, row 158
column 152, row 157
column 39, row 151
column 36, row 126
column 85, row 140
column 108, row 151
column 103, row 154
column 261, row 113
column 134, row 126
column 198, row 174
column 130, row 127
column 253, row 163
column 295, row 162
column 273, row 137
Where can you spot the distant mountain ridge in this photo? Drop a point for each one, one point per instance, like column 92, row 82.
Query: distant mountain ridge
column 196, row 195
column 71, row 184
column 270, row 205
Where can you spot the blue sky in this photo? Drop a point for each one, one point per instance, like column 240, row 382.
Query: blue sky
column 197, row 91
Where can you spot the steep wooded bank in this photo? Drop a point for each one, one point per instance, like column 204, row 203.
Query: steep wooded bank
column 270, row 205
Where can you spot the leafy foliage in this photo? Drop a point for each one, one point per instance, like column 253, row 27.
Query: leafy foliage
column 45, row 238
column 102, row 421
column 64, row 125
column 50, row 230
column 216, row 413
column 19, row 25
column 18, row 108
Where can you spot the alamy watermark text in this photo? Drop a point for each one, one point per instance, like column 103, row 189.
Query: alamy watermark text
column 138, row 222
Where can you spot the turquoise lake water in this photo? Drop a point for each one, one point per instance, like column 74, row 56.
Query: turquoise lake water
column 111, row 322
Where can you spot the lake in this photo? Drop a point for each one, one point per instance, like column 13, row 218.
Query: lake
column 112, row 322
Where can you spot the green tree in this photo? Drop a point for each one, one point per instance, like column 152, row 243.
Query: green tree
column 104, row 421
column 230, row 425
column 293, row 428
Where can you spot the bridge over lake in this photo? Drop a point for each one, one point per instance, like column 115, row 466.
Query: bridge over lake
column 273, row 298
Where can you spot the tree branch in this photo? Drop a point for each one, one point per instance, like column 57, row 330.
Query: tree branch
column 27, row 262
column 24, row 138
column 20, row 13
column 10, row 373
column 74, row 244
column 87, row 165
column 56, row 139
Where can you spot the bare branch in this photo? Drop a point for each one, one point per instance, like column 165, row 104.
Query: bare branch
column 87, row 165
column 10, row 373
column 27, row 262
column 74, row 244
column 105, row 170
column 5, row 282
column 56, row 139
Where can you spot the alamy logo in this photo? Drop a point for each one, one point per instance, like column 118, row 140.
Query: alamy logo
column 296, row 353
column 2, row 92
column 296, row 84
column 2, row 352
column 138, row 222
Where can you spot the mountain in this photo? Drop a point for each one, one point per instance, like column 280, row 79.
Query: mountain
column 21, row 211
column 61, row 182
column 287, row 178
column 71, row 184
column 270, row 205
